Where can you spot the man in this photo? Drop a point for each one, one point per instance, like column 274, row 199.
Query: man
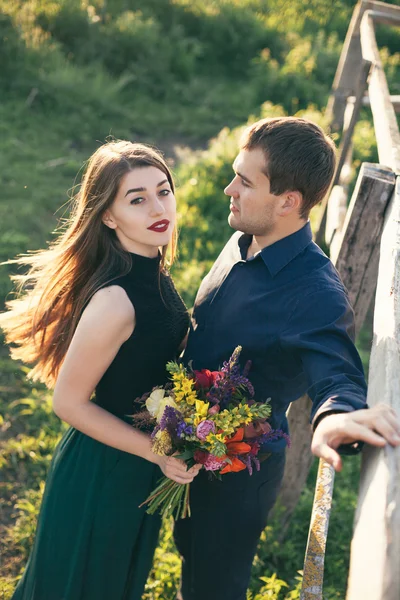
column 275, row 293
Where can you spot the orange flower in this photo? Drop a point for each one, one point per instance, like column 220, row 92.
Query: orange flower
column 234, row 467
column 235, row 446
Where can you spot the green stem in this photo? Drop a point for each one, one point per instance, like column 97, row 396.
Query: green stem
column 174, row 501
column 186, row 505
column 166, row 483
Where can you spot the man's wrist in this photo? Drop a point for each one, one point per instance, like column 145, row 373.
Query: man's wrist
column 344, row 449
column 323, row 415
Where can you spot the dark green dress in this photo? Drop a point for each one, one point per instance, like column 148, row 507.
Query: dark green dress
column 92, row 541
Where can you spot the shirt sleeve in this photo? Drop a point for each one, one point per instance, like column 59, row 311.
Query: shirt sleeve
column 319, row 334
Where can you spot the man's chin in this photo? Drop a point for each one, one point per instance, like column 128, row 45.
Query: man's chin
column 233, row 222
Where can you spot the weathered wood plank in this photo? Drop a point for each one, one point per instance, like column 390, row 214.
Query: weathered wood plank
column 360, row 87
column 394, row 99
column 386, row 19
column 336, row 212
column 376, row 541
column 298, row 462
column 358, row 242
column 350, row 59
column 385, row 123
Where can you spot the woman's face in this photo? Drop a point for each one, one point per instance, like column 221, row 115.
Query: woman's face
column 143, row 213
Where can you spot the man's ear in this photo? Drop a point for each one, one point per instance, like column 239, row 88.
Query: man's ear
column 291, row 201
column 108, row 220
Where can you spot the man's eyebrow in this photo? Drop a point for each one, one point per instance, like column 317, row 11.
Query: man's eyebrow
column 246, row 179
column 143, row 189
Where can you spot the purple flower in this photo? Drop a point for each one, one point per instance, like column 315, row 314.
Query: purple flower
column 154, row 432
column 272, row 435
column 170, row 419
column 231, row 381
column 183, row 429
column 204, row 428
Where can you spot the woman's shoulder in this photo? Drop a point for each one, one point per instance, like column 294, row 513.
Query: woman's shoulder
column 111, row 297
column 110, row 306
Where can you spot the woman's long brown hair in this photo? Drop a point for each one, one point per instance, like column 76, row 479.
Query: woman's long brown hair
column 40, row 322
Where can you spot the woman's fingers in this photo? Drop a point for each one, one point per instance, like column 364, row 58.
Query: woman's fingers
column 177, row 470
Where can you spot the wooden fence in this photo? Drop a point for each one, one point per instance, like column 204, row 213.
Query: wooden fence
column 365, row 247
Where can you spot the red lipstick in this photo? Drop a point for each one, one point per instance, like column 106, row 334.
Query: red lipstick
column 160, row 226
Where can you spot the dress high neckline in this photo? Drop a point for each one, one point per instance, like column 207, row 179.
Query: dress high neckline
column 145, row 266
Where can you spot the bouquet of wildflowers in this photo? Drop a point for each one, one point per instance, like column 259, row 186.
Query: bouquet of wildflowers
column 201, row 417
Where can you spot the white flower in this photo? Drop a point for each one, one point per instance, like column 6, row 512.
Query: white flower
column 153, row 401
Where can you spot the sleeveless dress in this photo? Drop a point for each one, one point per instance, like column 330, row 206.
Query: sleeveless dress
column 92, row 541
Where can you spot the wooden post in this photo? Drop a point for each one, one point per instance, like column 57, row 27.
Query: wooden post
column 360, row 87
column 298, row 462
column 357, row 264
column 313, row 572
column 385, row 123
column 343, row 83
column 350, row 59
column 360, row 238
column 375, row 549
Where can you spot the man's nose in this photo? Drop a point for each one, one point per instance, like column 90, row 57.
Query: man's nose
column 230, row 189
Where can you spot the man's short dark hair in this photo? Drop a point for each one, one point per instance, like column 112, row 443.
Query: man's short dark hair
column 298, row 156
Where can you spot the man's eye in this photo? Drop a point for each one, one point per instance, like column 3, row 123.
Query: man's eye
column 137, row 200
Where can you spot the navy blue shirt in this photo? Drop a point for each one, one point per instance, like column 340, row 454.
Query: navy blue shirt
column 290, row 312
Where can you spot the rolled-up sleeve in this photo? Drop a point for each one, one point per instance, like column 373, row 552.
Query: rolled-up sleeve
column 320, row 334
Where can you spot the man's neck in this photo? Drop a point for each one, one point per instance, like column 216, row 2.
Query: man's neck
column 258, row 243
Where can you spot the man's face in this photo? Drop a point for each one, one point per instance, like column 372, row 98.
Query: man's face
column 253, row 207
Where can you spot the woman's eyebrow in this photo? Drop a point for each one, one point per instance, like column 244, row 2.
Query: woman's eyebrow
column 143, row 189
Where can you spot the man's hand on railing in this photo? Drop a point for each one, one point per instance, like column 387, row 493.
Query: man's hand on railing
column 376, row 426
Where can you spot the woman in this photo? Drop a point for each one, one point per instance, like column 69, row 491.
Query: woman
column 100, row 314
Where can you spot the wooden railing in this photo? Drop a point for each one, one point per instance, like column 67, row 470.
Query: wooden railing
column 364, row 242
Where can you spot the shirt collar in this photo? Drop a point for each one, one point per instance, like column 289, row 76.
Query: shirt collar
column 281, row 253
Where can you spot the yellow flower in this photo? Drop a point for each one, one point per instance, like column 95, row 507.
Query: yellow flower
column 183, row 388
column 162, row 443
column 187, row 386
column 191, row 398
column 215, row 437
column 202, row 408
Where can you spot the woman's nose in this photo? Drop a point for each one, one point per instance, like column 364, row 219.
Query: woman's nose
column 157, row 207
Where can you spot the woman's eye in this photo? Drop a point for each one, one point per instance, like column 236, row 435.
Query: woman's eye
column 165, row 192
column 244, row 183
column 137, row 200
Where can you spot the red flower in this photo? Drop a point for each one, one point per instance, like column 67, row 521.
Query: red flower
column 201, row 456
column 205, row 379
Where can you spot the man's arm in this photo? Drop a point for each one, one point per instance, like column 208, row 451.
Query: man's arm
column 319, row 333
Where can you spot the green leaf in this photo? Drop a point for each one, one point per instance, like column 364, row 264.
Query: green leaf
column 186, row 456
